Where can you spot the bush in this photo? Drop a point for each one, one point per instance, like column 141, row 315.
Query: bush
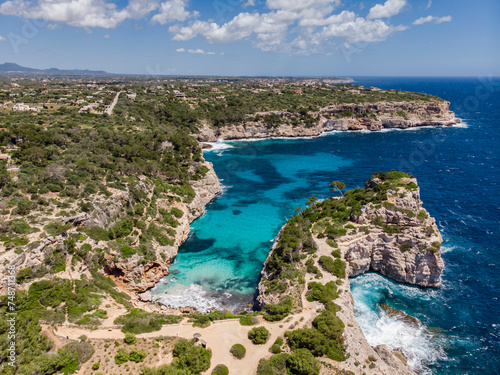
column 336, row 254
column 302, row 362
column 190, row 357
column 335, row 267
column 273, row 313
column 201, row 321
column 130, row 339
column 276, row 348
column 258, row 335
column 176, row 212
column 138, row 321
column 220, row 370
column 238, row 351
column 96, row 366
column 276, row 365
column 121, row 357
column 322, row 293
column 249, row 320
column 137, row 355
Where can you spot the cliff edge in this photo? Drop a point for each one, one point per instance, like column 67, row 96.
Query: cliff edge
column 340, row 117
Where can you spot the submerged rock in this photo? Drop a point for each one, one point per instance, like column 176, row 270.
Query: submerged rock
column 401, row 315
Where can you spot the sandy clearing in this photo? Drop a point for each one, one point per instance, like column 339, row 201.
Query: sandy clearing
column 219, row 336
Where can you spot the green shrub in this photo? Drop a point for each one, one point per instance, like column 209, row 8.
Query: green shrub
column 335, row 267
column 96, row 366
column 276, row 312
column 276, row 365
column 138, row 321
column 258, row 335
column 249, row 320
column 276, row 347
column 176, row 212
column 302, row 362
column 220, row 370
column 322, row 293
column 121, row 356
column 130, row 339
column 238, row 351
column 201, row 321
column 190, row 357
column 137, row 355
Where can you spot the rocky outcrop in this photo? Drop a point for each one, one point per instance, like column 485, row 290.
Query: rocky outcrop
column 342, row 117
column 410, row 255
column 395, row 237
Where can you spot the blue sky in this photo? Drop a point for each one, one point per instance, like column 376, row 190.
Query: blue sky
column 255, row 37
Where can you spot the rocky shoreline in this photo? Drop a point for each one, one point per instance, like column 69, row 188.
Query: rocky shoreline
column 345, row 117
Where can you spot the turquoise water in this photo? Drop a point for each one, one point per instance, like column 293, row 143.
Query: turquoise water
column 457, row 169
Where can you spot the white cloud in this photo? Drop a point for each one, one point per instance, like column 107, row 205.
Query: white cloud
column 107, row 36
column 389, row 9
column 249, row 3
column 294, row 5
column 432, row 19
column 429, row 4
column 293, row 26
column 361, row 30
column 95, row 13
column 173, row 10
column 2, row 38
column 198, row 51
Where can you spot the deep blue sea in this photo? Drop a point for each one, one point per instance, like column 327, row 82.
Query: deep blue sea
column 458, row 171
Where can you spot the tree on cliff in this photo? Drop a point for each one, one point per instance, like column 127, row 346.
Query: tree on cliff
column 337, row 186
column 311, row 201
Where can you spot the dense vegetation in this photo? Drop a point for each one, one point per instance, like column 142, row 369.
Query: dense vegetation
column 189, row 359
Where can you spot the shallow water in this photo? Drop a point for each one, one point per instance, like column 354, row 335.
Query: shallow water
column 457, row 169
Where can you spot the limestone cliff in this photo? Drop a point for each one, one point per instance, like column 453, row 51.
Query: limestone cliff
column 382, row 227
column 342, row 117
column 134, row 273
column 138, row 276
column 411, row 255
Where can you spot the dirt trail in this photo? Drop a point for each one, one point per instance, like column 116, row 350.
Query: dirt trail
column 219, row 336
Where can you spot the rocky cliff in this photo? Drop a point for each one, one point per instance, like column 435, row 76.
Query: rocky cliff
column 135, row 273
column 342, row 117
column 382, row 227
column 403, row 244
column 138, row 276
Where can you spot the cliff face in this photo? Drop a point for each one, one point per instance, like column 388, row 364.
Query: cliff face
column 411, row 256
column 367, row 116
column 133, row 273
column 138, row 277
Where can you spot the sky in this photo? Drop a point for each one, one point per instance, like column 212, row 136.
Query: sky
column 255, row 37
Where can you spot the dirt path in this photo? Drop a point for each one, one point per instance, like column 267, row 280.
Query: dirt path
column 219, row 336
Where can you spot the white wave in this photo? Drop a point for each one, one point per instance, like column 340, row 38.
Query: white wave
column 418, row 345
column 447, row 249
column 220, row 145
column 193, row 296
column 463, row 125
